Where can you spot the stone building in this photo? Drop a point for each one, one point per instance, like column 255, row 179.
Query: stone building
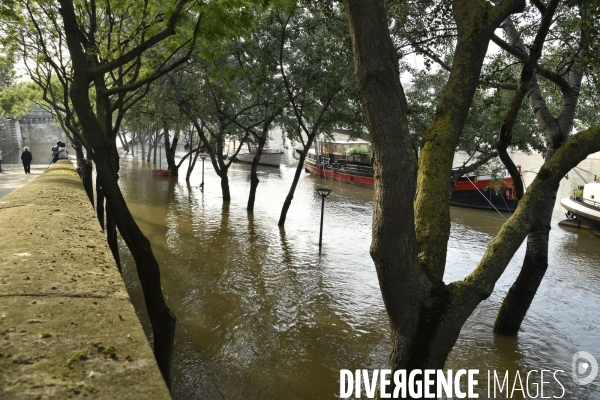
column 35, row 127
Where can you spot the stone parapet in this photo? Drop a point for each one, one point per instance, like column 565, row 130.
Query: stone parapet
column 40, row 130
column 67, row 327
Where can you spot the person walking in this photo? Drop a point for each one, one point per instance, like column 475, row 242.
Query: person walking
column 26, row 157
column 0, row 159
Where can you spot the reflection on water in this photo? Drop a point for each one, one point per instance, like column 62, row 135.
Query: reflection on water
column 40, row 151
column 275, row 319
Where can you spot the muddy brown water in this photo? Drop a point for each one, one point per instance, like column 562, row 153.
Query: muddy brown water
column 273, row 318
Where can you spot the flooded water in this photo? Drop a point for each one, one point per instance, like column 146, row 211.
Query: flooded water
column 41, row 152
column 275, row 318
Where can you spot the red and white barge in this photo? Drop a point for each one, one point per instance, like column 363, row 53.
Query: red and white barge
column 475, row 191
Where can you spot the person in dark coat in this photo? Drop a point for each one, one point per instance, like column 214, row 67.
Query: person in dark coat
column 26, row 157
column 55, row 152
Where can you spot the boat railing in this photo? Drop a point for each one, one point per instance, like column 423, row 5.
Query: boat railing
column 578, row 196
column 589, row 203
column 353, row 167
column 359, row 168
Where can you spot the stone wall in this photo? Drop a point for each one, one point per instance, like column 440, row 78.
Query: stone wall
column 39, row 127
column 36, row 127
column 67, row 326
column 7, row 140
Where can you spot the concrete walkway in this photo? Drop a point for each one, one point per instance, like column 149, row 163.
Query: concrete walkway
column 13, row 177
column 67, row 327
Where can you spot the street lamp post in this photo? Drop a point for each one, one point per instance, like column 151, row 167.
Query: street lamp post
column 160, row 156
column 324, row 192
column 203, row 157
column 191, row 148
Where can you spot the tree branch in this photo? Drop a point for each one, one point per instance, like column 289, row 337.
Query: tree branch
column 431, row 55
column 145, row 45
column 527, row 73
column 552, row 76
column 500, row 251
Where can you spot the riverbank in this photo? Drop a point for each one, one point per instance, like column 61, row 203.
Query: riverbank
column 67, row 326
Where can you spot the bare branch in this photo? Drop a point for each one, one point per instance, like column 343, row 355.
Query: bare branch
column 431, row 55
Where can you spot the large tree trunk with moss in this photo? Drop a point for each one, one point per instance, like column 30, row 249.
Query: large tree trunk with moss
column 409, row 247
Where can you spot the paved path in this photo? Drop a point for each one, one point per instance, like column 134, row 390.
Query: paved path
column 13, row 177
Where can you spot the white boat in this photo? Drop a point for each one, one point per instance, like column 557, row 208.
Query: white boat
column 583, row 207
column 268, row 157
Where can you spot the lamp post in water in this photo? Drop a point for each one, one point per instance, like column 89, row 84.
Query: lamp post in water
column 160, row 157
column 324, row 192
column 203, row 157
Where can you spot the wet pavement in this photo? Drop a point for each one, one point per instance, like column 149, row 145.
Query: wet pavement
column 13, row 177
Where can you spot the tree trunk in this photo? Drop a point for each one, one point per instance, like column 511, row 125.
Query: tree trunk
column 288, row 200
column 253, row 171
column 85, row 166
column 556, row 130
column 156, row 140
column 111, row 237
column 88, row 181
column 192, row 164
column 191, row 143
column 521, row 294
column 393, row 246
column 225, row 184
column 124, row 142
column 163, row 322
column 223, row 168
column 78, row 149
column 150, row 142
column 143, row 138
column 170, row 149
column 410, row 212
column 100, row 203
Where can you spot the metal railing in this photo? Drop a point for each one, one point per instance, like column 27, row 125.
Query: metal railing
column 586, row 202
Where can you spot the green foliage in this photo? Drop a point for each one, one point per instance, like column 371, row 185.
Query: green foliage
column 318, row 64
column 113, row 32
column 426, row 24
column 7, row 73
column 485, row 118
column 17, row 99
column 428, row 28
column 358, row 151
